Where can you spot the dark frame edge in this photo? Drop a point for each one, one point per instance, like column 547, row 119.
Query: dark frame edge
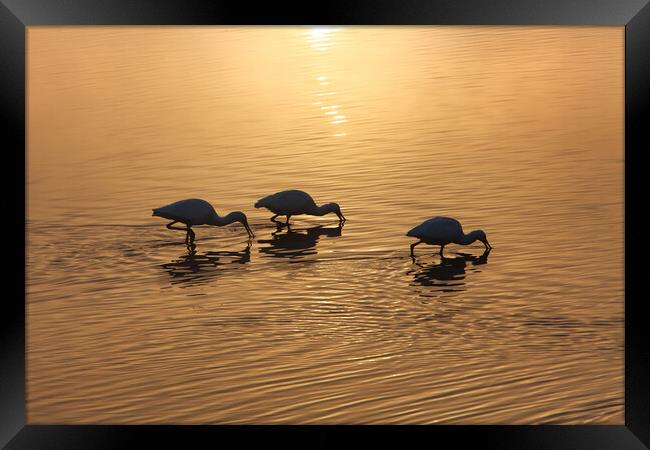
column 341, row 12
column 637, row 117
column 12, row 319
column 505, row 437
column 13, row 428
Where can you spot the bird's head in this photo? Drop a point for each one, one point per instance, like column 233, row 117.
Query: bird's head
column 336, row 209
column 480, row 236
column 240, row 217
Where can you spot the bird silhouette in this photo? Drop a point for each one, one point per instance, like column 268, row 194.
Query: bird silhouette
column 295, row 202
column 195, row 211
column 445, row 230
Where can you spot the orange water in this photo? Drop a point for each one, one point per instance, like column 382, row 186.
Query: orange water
column 514, row 130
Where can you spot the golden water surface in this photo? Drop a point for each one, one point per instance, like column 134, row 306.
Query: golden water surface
column 514, row 130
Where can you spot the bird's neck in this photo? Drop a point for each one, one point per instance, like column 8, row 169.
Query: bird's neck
column 221, row 221
column 467, row 239
column 320, row 210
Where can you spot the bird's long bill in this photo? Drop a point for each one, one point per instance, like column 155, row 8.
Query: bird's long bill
column 341, row 217
column 248, row 229
column 487, row 245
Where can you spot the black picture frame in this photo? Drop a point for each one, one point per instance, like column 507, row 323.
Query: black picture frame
column 16, row 15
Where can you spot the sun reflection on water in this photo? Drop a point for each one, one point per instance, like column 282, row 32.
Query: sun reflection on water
column 323, row 39
column 320, row 38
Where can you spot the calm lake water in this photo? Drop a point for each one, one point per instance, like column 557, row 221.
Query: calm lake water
column 514, row 130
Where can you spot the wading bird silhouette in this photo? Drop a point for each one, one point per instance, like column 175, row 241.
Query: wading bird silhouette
column 195, row 211
column 445, row 230
column 295, row 202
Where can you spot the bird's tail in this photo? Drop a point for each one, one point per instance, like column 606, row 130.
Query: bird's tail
column 154, row 212
column 261, row 203
column 413, row 232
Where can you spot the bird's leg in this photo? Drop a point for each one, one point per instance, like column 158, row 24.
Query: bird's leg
column 187, row 230
column 288, row 217
column 413, row 246
column 273, row 218
column 442, row 247
column 190, row 235
column 169, row 225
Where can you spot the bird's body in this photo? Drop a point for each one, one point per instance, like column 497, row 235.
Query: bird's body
column 195, row 211
column 294, row 202
column 445, row 230
column 438, row 231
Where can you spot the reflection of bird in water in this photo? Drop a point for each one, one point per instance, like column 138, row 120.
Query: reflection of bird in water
column 295, row 202
column 297, row 243
column 445, row 230
column 196, row 267
column 197, row 212
column 449, row 273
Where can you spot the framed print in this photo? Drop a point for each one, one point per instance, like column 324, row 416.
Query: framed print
column 388, row 221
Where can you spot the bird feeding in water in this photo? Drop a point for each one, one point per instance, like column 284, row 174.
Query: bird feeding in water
column 195, row 211
column 295, row 202
column 445, row 230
